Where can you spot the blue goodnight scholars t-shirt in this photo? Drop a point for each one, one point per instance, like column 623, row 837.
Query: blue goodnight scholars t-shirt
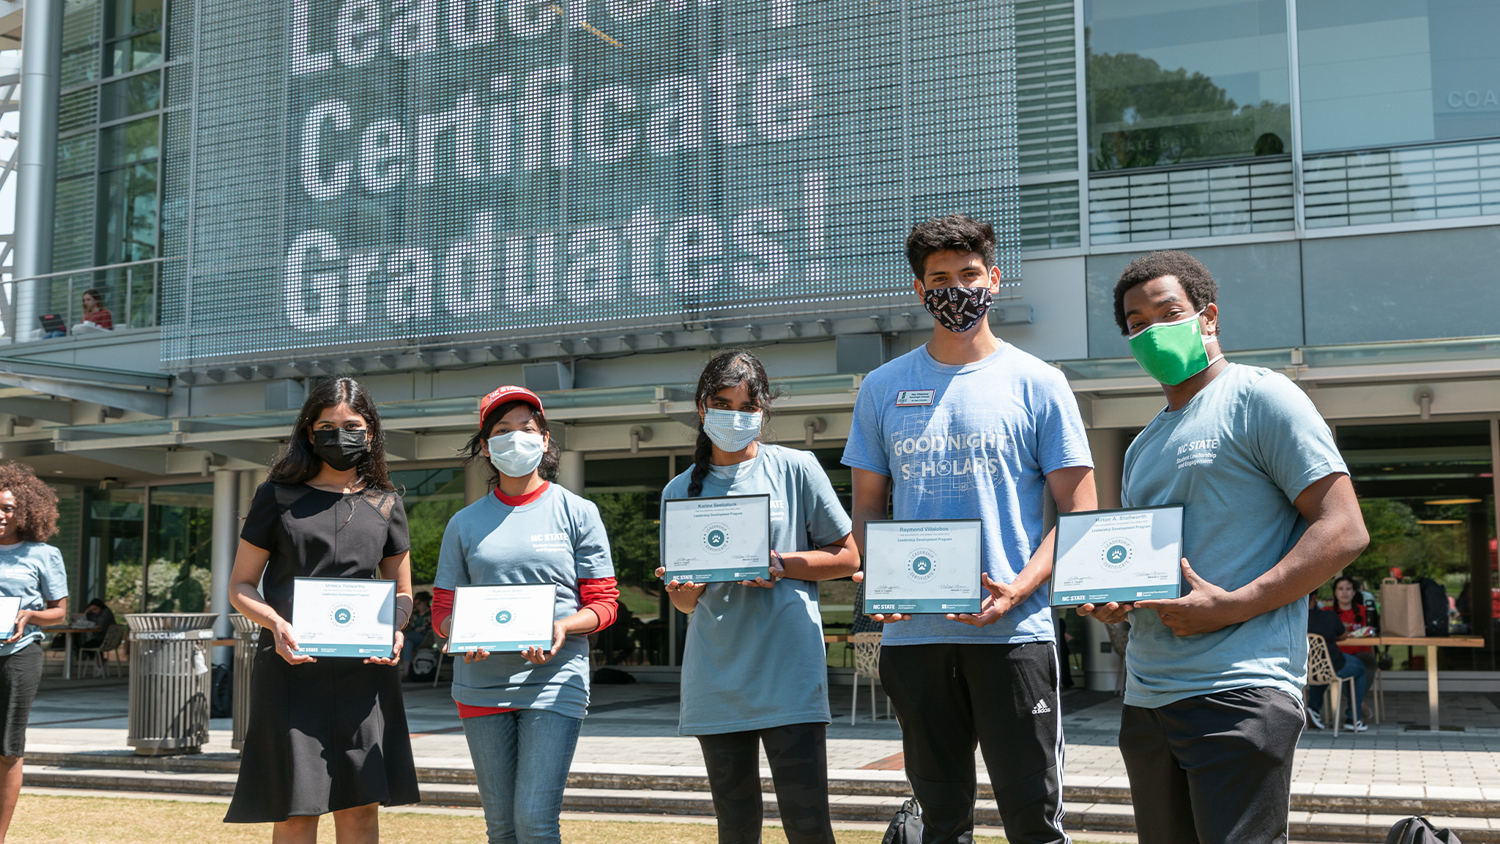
column 1236, row 456
column 33, row 572
column 971, row 442
column 754, row 656
column 557, row 539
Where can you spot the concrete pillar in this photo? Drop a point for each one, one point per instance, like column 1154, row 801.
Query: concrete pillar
column 1108, row 446
column 476, row 480
column 570, row 472
column 36, row 171
column 1101, row 666
column 226, row 522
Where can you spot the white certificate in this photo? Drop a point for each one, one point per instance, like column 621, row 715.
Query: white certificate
column 923, row 566
column 1117, row 555
column 344, row 617
column 708, row 540
column 508, row 617
column 10, row 607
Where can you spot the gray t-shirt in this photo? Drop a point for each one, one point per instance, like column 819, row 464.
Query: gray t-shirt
column 33, row 572
column 1237, row 456
column 754, row 656
column 557, row 539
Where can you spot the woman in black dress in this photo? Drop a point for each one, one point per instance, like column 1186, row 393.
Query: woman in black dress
column 325, row 735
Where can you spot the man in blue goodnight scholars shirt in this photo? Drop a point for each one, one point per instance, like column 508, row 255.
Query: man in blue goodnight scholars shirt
column 970, row 427
column 1214, row 678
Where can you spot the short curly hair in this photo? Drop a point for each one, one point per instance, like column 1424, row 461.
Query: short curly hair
column 1196, row 280
column 36, row 503
column 956, row 233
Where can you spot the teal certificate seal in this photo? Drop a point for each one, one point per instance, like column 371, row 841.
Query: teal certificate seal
column 714, row 540
column 923, row 566
column 1117, row 555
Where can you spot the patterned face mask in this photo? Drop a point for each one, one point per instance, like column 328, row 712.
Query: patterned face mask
column 958, row 309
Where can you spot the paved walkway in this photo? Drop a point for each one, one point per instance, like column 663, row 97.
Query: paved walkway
column 635, row 727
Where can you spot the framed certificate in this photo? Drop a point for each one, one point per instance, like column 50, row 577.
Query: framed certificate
column 1117, row 555
column 715, row 540
column 10, row 607
column 335, row 616
column 923, row 566
column 505, row 617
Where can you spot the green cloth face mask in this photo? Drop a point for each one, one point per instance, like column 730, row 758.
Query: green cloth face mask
column 1172, row 352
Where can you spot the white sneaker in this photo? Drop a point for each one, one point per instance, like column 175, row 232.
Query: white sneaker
column 1316, row 719
column 1357, row 726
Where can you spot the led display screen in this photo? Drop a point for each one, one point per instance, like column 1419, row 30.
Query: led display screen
column 369, row 171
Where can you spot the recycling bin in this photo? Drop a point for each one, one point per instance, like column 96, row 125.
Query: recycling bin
column 245, row 634
column 169, row 682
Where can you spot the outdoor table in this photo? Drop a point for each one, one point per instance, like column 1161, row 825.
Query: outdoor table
column 835, row 638
column 68, row 631
column 1432, row 643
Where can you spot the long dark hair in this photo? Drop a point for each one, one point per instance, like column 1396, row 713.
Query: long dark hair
column 726, row 369
column 297, row 464
column 1357, row 601
column 548, row 467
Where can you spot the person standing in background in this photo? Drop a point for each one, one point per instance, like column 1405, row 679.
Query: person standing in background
column 33, row 571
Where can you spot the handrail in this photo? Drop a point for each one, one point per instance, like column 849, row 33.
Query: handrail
column 81, row 270
column 125, row 308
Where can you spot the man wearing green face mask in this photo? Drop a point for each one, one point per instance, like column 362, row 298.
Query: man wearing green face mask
column 1213, row 693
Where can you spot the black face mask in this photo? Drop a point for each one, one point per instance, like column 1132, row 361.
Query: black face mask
column 958, row 309
column 341, row 449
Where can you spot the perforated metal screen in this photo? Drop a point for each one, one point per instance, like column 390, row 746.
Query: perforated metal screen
column 367, row 171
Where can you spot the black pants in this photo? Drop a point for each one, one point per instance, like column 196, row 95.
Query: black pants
column 1214, row 769
column 798, row 755
column 20, row 677
column 999, row 698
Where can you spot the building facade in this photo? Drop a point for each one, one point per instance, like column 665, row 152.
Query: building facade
column 1336, row 165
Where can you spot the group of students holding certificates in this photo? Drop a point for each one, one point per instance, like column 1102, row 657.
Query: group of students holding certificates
column 954, row 448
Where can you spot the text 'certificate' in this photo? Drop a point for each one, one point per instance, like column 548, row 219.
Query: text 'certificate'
column 1117, row 555
column 338, row 617
column 709, row 540
column 923, row 566
column 508, row 617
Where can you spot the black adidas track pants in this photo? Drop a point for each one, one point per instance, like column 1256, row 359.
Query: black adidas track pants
column 1000, row 698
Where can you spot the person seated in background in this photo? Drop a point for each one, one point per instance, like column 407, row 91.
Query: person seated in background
column 1326, row 623
column 1350, row 607
column 96, row 317
column 97, row 615
column 419, row 630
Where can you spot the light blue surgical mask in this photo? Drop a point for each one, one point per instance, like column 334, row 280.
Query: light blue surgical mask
column 731, row 430
column 518, row 453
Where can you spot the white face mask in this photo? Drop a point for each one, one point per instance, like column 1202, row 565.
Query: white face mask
column 518, row 453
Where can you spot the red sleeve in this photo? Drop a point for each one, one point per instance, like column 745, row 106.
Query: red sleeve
column 601, row 595
column 442, row 607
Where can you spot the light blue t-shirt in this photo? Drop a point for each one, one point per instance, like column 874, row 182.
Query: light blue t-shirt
column 1235, row 457
column 556, row 539
column 980, row 450
column 754, row 657
column 33, row 572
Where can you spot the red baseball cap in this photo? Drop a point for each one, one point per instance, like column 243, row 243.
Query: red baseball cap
column 504, row 394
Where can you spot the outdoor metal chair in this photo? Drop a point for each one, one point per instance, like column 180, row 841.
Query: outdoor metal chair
column 866, row 647
column 104, row 653
column 1320, row 672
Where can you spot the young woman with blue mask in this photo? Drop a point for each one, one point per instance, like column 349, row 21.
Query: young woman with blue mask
column 754, row 670
column 521, row 712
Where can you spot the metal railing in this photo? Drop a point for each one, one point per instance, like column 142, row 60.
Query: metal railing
column 61, row 293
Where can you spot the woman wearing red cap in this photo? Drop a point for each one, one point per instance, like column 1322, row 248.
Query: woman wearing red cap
column 521, row 712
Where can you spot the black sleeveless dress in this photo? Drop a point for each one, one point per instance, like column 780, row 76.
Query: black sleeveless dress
column 329, row 735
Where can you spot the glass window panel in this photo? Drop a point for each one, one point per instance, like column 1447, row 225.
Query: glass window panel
column 140, row 51
column 132, row 16
column 1398, row 71
column 431, row 497
column 80, row 42
column 111, row 528
column 134, row 141
column 131, row 96
column 127, row 209
column 180, row 548
column 1173, row 81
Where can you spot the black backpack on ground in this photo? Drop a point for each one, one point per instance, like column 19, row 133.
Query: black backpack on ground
column 906, row 826
column 1434, row 607
column 1419, row 831
column 221, row 692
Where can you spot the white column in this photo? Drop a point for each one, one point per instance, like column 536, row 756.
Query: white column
column 1108, row 446
column 570, row 472
column 226, row 521
column 36, row 171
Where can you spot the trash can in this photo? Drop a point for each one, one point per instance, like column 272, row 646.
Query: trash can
column 169, row 681
column 245, row 634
